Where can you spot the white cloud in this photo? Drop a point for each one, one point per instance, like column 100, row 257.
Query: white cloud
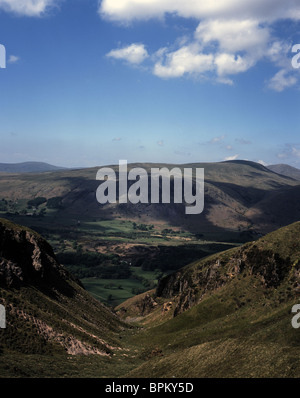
column 134, row 53
column 30, row 8
column 281, row 155
column 296, row 152
column 266, row 10
column 186, row 60
column 278, row 52
column 234, row 157
column 13, row 59
column 290, row 151
column 228, row 64
column 263, row 163
column 217, row 139
column 160, row 143
column 232, row 36
column 282, row 80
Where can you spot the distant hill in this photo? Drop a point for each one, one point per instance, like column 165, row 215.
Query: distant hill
column 242, row 199
column 28, row 167
column 285, row 170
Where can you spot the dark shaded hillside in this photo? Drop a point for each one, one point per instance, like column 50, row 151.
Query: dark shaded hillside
column 273, row 260
column 27, row 259
column 50, row 317
column 235, row 194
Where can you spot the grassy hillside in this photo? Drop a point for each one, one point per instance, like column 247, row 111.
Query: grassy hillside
column 53, row 326
column 243, row 200
column 286, row 170
column 232, row 314
column 233, row 192
column 227, row 315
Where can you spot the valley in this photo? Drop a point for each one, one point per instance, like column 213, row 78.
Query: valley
column 107, row 246
column 124, row 290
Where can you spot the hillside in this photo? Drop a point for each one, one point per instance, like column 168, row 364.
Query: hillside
column 228, row 315
column 54, row 327
column 28, row 167
column 286, row 170
column 237, row 194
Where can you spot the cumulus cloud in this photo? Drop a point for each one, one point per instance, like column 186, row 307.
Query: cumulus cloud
column 282, row 80
column 234, row 157
column 30, row 8
column 13, row 59
column 267, row 10
column 262, row 162
column 134, row 53
column 186, row 60
column 231, row 37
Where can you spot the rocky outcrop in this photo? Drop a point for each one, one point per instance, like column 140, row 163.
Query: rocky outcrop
column 27, row 259
column 269, row 265
column 47, row 309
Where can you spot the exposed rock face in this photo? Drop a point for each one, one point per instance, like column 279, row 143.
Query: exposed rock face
column 27, row 259
column 146, row 305
column 141, row 305
column 190, row 285
column 47, row 308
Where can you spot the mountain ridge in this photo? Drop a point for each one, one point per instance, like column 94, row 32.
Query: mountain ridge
column 28, row 167
column 286, row 170
column 237, row 197
column 226, row 315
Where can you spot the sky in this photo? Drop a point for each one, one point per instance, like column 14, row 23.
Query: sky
column 89, row 82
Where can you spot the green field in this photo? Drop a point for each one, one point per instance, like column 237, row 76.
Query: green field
column 110, row 278
column 113, row 292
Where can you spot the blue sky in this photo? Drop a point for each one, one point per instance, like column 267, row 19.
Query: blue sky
column 88, row 83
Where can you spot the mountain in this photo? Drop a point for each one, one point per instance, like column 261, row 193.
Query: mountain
column 286, row 170
column 28, row 167
column 242, row 199
column 53, row 326
column 228, row 315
